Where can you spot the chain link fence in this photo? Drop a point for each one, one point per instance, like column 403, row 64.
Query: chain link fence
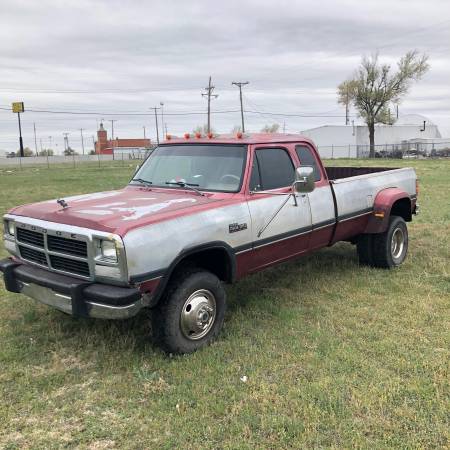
column 404, row 150
column 17, row 162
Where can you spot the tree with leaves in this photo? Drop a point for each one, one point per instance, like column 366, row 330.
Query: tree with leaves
column 26, row 152
column 374, row 86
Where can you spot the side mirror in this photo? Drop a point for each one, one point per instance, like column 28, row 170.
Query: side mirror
column 304, row 180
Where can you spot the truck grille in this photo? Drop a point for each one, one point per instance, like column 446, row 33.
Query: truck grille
column 30, row 237
column 55, row 252
column 69, row 265
column 33, row 255
column 68, row 246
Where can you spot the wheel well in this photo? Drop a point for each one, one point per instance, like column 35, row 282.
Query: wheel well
column 216, row 260
column 402, row 208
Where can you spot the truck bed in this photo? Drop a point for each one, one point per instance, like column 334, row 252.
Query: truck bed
column 336, row 173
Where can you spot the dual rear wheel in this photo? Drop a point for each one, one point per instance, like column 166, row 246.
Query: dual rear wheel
column 385, row 250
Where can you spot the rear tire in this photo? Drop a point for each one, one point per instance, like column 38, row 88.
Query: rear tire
column 389, row 249
column 192, row 313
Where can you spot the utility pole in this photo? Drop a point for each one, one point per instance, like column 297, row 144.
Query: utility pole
column 82, row 139
column 208, row 94
column 347, row 119
column 396, row 107
column 162, row 118
column 165, row 127
column 35, row 140
column 22, row 154
column 49, row 142
column 144, row 131
column 156, row 123
column 66, row 141
column 112, row 135
column 239, row 84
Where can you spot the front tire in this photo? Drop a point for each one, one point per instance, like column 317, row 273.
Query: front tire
column 192, row 313
column 389, row 249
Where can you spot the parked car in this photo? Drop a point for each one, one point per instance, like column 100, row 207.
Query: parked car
column 201, row 212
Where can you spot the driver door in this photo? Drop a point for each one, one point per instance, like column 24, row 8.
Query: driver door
column 288, row 233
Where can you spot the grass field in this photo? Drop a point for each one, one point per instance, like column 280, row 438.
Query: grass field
column 336, row 355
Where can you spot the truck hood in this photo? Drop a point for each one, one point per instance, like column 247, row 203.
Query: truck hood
column 117, row 211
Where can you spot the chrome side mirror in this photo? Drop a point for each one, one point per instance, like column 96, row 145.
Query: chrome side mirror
column 304, row 180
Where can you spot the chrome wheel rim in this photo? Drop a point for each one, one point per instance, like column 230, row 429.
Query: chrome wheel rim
column 198, row 314
column 397, row 243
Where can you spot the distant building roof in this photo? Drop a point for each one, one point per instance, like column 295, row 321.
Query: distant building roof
column 413, row 119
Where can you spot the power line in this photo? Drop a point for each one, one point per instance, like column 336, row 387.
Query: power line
column 184, row 113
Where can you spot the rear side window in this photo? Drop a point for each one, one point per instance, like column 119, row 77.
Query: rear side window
column 274, row 169
column 306, row 157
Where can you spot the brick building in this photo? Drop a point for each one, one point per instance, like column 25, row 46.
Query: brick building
column 105, row 146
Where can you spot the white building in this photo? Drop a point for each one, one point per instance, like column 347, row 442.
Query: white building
column 351, row 141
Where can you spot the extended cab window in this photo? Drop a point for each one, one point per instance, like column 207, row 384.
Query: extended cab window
column 272, row 169
column 306, row 157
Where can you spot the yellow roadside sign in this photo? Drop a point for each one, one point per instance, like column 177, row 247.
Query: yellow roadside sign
column 18, row 107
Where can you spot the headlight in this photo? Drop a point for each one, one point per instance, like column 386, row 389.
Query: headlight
column 108, row 250
column 9, row 227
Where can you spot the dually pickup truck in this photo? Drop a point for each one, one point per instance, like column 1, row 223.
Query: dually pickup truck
column 201, row 211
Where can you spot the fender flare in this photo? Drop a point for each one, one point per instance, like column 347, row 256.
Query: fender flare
column 189, row 251
column 382, row 205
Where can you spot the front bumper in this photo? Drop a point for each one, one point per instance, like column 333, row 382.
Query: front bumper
column 69, row 294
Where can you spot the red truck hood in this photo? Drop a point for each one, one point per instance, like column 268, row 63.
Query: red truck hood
column 117, row 211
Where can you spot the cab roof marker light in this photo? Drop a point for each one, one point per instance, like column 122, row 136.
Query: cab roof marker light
column 187, row 135
column 239, row 135
column 210, row 135
column 198, row 135
column 168, row 137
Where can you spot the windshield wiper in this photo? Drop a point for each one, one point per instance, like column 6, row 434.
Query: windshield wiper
column 187, row 185
column 142, row 181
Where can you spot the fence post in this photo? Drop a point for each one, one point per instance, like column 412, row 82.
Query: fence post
column 332, row 151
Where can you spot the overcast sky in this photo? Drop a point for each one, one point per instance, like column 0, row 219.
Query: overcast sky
column 127, row 56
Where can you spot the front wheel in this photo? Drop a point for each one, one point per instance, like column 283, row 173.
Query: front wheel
column 192, row 313
column 389, row 249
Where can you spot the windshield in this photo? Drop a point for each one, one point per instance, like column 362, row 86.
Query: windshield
column 206, row 167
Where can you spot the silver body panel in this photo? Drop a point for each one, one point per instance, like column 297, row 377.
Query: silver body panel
column 358, row 193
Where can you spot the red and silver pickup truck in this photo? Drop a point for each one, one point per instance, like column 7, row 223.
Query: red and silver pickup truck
column 200, row 212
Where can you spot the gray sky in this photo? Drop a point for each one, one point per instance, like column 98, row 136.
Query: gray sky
column 126, row 56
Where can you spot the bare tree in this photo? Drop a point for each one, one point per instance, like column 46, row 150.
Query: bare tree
column 270, row 128
column 374, row 86
column 203, row 129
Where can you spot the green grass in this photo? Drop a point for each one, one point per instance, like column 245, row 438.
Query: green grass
column 336, row 355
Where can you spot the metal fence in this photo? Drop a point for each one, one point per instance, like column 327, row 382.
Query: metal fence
column 404, row 150
column 410, row 149
column 18, row 162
